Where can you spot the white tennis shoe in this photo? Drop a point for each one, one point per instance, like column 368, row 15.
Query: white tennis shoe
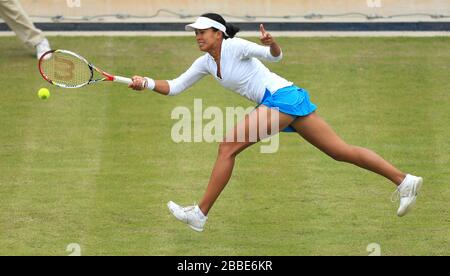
column 191, row 215
column 42, row 48
column 407, row 192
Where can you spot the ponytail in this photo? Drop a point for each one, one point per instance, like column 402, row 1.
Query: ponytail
column 232, row 30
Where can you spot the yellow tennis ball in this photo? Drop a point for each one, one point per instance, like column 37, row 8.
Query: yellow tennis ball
column 44, row 93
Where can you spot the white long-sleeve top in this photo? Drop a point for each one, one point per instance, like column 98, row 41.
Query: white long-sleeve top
column 241, row 70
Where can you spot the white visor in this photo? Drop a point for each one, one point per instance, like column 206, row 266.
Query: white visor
column 203, row 23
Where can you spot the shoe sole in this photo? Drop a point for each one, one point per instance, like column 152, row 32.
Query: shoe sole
column 190, row 226
column 195, row 228
column 414, row 200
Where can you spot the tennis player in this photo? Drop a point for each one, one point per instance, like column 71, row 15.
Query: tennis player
column 235, row 64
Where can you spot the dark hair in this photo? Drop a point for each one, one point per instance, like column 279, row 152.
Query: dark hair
column 231, row 29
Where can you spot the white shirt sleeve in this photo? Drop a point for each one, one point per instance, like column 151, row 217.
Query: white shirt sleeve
column 251, row 49
column 197, row 71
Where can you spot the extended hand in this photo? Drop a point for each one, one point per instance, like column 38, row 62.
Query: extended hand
column 139, row 83
column 266, row 38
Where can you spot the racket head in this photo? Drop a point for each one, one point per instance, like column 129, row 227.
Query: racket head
column 65, row 69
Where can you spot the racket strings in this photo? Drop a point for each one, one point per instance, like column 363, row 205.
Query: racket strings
column 66, row 69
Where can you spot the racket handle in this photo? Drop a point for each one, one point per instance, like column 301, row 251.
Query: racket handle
column 127, row 81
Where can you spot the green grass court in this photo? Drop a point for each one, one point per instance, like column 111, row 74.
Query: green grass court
column 96, row 166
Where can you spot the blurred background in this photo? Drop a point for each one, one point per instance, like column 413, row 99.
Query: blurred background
column 159, row 14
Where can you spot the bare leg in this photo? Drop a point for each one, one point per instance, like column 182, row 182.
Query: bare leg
column 316, row 131
column 232, row 146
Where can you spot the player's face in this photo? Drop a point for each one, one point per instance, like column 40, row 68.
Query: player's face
column 207, row 39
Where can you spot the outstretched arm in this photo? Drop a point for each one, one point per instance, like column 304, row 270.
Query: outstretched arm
column 172, row 87
column 141, row 83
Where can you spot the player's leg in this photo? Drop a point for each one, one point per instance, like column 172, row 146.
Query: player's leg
column 242, row 136
column 317, row 132
column 235, row 143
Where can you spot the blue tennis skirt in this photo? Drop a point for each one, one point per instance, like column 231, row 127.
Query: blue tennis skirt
column 290, row 100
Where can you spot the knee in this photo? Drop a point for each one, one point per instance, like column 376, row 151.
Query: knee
column 343, row 154
column 228, row 150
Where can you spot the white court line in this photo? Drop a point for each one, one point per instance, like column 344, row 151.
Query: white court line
column 250, row 34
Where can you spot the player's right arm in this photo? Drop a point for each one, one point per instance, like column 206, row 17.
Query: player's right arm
column 142, row 83
column 173, row 87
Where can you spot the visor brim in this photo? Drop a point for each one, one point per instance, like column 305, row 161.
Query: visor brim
column 197, row 26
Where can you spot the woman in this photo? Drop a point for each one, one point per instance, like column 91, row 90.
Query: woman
column 235, row 64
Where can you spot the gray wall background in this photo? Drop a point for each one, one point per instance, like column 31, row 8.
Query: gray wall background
column 239, row 8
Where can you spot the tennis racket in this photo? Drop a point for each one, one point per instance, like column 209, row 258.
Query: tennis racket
column 69, row 70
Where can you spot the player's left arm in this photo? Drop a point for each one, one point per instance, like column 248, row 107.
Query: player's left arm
column 268, row 40
column 269, row 50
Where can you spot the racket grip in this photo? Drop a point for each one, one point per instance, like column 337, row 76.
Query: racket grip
column 124, row 80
